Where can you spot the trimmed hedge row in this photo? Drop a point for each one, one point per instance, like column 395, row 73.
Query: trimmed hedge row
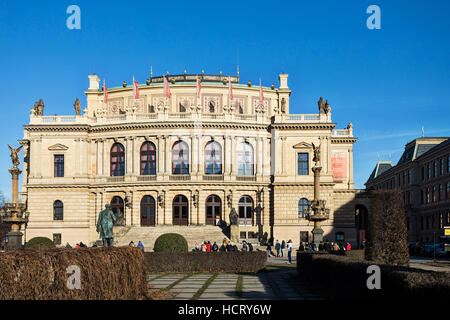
column 39, row 243
column 234, row 261
column 341, row 277
column 105, row 274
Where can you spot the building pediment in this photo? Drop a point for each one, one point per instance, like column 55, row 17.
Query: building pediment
column 58, row 147
column 302, row 145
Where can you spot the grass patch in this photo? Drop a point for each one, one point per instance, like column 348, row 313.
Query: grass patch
column 177, row 282
column 239, row 286
column 205, row 285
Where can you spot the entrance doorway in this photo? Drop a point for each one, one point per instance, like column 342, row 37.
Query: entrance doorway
column 213, row 210
column 180, row 211
column 148, row 211
column 118, row 207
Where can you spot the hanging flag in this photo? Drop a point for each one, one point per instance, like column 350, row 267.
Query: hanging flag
column 166, row 88
column 199, row 87
column 230, row 90
column 261, row 94
column 135, row 89
column 105, row 92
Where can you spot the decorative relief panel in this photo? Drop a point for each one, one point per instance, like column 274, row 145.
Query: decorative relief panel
column 184, row 103
column 240, row 105
column 212, row 103
column 139, row 104
column 257, row 107
column 157, row 102
column 115, row 106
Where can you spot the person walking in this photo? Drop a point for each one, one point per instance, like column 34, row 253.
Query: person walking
column 140, row 246
column 131, row 244
column 203, row 247
column 244, row 246
column 196, row 247
column 215, row 247
column 269, row 248
column 349, row 246
column 283, row 245
column 289, row 248
column 278, row 247
column 208, row 246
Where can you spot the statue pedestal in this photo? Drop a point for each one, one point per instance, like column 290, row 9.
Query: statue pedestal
column 14, row 240
column 317, row 236
column 234, row 233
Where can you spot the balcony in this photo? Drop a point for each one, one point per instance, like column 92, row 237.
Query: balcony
column 302, row 118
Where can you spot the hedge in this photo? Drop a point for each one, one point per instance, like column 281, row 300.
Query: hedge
column 106, row 273
column 342, row 277
column 39, row 243
column 171, row 242
column 234, row 261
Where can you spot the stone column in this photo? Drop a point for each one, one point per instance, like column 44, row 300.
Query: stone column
column 350, row 169
column 283, row 156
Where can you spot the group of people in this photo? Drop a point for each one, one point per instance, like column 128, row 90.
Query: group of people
column 281, row 247
column 206, row 246
column 326, row 246
column 140, row 245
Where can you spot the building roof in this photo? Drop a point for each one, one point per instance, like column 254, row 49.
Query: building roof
column 380, row 168
column 414, row 149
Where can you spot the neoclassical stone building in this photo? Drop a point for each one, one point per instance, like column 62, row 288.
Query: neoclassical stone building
column 186, row 160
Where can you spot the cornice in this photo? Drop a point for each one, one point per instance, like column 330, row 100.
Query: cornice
column 303, row 126
column 343, row 140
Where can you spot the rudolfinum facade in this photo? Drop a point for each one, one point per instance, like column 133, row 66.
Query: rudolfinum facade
column 178, row 153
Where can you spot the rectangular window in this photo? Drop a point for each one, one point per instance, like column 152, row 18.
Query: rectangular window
column 423, row 173
column 435, row 173
column 429, row 171
column 409, row 177
column 441, row 167
column 59, row 165
column 303, row 163
column 57, row 239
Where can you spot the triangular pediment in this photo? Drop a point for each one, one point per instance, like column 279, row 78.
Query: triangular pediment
column 58, row 147
column 302, row 145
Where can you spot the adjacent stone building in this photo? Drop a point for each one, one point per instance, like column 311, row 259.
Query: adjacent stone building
column 187, row 160
column 423, row 174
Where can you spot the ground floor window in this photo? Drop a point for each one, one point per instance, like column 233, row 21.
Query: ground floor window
column 340, row 236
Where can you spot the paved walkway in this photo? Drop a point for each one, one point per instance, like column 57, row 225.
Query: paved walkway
column 267, row 285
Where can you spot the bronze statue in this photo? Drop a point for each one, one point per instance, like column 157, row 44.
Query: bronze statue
column 15, row 155
column 321, row 105
column 39, row 108
column 316, row 152
column 233, row 217
column 77, row 106
column 327, row 107
column 105, row 224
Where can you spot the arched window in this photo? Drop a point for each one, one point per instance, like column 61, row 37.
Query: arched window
column 117, row 160
column 245, row 210
column 302, row 207
column 148, row 158
column 180, row 158
column 147, row 211
column 58, row 210
column 213, row 158
column 118, row 207
column 245, row 159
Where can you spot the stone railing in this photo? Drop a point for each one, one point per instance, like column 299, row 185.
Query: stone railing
column 342, row 133
column 303, row 118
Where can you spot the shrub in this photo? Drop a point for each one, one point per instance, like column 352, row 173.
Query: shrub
column 39, row 243
column 342, row 277
column 387, row 234
column 105, row 274
column 234, row 261
column 171, row 242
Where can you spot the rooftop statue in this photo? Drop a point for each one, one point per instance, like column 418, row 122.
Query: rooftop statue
column 321, row 104
column 77, row 106
column 15, row 155
column 327, row 107
column 39, row 108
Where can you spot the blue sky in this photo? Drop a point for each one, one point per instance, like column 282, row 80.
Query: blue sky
column 388, row 82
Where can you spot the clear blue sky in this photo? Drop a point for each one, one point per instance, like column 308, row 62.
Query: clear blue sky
column 388, row 82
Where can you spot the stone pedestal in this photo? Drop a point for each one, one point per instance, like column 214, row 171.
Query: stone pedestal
column 234, row 233
column 14, row 240
column 317, row 235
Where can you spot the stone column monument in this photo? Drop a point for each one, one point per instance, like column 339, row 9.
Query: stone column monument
column 13, row 213
column 317, row 211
